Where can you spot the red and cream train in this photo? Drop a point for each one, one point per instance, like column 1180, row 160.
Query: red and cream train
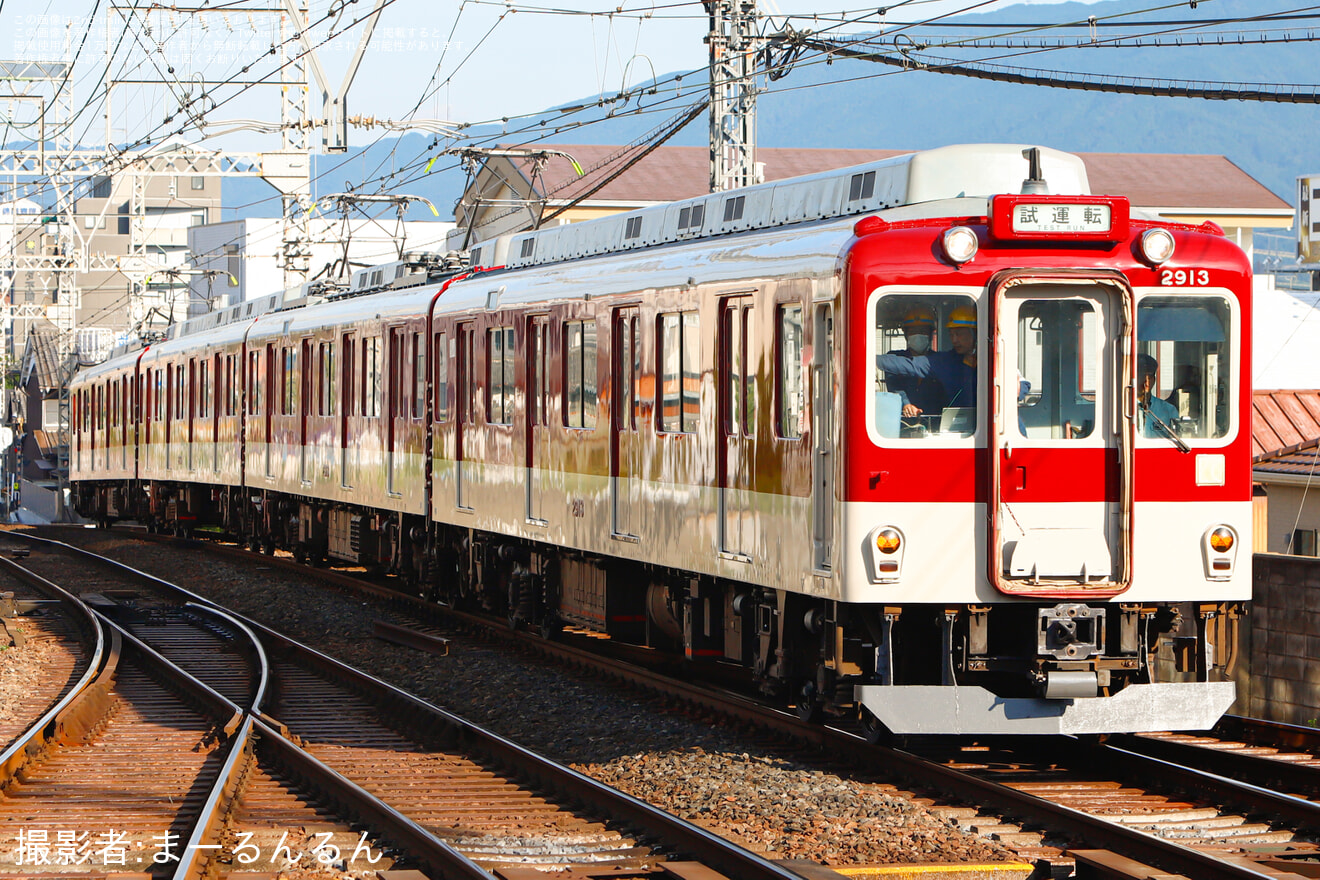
column 683, row 426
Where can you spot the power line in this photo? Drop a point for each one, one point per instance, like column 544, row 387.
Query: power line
column 1112, row 83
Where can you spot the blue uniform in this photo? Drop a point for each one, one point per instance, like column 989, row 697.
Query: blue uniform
column 955, row 376
column 927, row 394
column 1161, row 409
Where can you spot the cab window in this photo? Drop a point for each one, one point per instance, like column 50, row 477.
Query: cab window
column 1183, row 367
column 925, row 360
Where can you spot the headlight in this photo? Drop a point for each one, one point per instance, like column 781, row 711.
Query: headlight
column 1221, row 540
column 885, row 557
column 1157, row 246
column 960, row 244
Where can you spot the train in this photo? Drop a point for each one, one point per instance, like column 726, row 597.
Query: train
column 944, row 442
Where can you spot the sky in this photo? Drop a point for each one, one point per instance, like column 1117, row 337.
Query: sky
column 470, row 61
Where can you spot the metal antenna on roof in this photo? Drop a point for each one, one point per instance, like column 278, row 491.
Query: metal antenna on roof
column 1035, row 184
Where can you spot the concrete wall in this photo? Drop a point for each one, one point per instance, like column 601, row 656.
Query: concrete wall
column 1283, row 641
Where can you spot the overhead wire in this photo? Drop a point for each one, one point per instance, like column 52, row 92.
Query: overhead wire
column 558, row 129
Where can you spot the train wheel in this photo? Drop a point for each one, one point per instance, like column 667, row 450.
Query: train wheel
column 808, row 703
column 551, row 626
column 875, row 731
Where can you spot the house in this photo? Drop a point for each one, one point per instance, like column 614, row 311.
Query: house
column 42, row 461
column 1285, row 448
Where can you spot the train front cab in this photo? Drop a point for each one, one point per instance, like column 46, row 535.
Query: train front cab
column 1092, row 529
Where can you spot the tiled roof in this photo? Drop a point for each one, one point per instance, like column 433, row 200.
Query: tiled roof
column 1283, row 422
column 1148, row 179
column 43, row 356
column 1303, row 463
column 1177, row 180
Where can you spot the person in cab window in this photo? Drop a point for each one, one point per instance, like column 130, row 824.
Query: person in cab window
column 1155, row 415
column 918, row 394
column 954, row 370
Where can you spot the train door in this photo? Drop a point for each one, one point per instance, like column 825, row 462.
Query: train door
column 304, row 380
column 222, row 380
column 347, row 449
column 822, row 437
column 737, row 450
column 625, row 444
column 463, row 425
column 538, row 415
column 1062, row 350
column 190, row 408
column 274, row 393
column 171, row 413
column 395, row 406
column 125, row 387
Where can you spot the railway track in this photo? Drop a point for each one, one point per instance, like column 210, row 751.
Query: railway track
column 499, row 806
column 1075, row 798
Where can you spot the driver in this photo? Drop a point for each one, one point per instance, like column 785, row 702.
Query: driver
column 918, row 395
column 1155, row 415
column 954, row 370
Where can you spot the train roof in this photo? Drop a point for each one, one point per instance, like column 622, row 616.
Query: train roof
column 968, row 170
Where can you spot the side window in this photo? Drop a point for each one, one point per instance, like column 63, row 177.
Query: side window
column 1183, row 369
column 371, row 370
column 466, row 385
column 788, row 370
column 499, row 376
column 441, row 355
column 538, row 352
column 160, row 394
column 349, row 375
column 925, row 358
column 254, row 383
column 287, row 380
column 203, row 389
column 580, row 374
column 680, row 372
column 180, row 390
column 419, row 376
column 327, row 386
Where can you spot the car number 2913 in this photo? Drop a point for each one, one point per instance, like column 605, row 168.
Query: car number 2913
column 1184, row 277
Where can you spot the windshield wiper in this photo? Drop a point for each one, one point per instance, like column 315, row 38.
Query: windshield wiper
column 1168, row 431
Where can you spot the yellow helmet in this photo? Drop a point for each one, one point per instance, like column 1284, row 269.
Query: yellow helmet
column 918, row 317
column 962, row 316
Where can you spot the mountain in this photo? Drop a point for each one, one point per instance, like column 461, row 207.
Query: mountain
column 1273, row 142
column 859, row 104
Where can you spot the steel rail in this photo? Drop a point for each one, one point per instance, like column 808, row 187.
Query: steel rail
column 417, row 841
column 44, row 728
column 1232, row 767
column 259, row 652
column 1272, row 733
column 442, row 858
column 710, row 848
column 839, row 743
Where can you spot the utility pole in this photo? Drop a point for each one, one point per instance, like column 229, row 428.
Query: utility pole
column 733, row 42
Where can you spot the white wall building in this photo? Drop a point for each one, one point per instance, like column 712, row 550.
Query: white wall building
column 243, row 253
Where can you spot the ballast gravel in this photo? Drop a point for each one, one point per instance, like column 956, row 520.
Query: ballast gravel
column 761, row 798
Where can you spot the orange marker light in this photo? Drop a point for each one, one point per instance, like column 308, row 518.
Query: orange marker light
column 887, row 541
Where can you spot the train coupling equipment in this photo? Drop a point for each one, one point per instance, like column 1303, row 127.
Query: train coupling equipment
column 1070, row 631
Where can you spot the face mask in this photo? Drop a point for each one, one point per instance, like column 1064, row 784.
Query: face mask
column 918, row 344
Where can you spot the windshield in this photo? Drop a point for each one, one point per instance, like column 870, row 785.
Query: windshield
column 1183, row 375
column 925, row 366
